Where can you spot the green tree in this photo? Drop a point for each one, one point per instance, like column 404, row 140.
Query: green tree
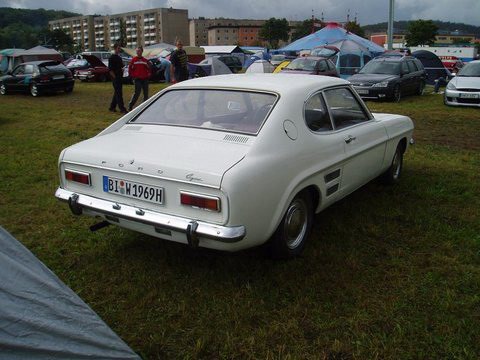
column 305, row 28
column 58, row 39
column 355, row 28
column 275, row 30
column 421, row 32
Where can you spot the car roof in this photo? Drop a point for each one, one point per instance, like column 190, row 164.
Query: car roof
column 393, row 58
column 280, row 83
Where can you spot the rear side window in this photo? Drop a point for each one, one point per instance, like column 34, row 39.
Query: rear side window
column 411, row 66
column 344, row 108
column 316, row 114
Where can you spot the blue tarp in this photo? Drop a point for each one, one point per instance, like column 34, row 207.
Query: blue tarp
column 355, row 51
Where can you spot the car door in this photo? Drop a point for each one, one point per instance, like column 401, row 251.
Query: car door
column 407, row 79
column 16, row 81
column 328, row 149
column 416, row 75
column 363, row 137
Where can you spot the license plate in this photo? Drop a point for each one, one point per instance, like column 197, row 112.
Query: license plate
column 468, row 96
column 133, row 189
column 361, row 91
column 58, row 77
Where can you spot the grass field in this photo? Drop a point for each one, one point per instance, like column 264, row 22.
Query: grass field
column 389, row 272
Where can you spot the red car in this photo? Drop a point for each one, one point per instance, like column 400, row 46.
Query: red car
column 452, row 63
column 97, row 70
column 313, row 65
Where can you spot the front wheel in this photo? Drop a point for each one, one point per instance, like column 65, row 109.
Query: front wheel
column 397, row 93
column 291, row 235
column 392, row 175
column 3, row 89
column 34, row 90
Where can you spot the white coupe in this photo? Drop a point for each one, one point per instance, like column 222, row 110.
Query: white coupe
column 230, row 162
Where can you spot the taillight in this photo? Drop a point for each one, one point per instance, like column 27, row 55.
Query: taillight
column 44, row 78
column 77, row 176
column 211, row 203
column 69, row 75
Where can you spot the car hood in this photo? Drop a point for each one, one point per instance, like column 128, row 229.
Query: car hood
column 188, row 155
column 370, row 78
column 463, row 82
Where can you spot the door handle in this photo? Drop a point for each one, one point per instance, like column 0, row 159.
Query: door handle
column 349, row 139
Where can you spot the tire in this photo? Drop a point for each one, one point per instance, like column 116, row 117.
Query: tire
column 34, row 90
column 392, row 175
column 397, row 94
column 421, row 88
column 3, row 89
column 292, row 233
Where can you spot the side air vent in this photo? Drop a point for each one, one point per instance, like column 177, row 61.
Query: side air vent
column 133, row 127
column 236, row 138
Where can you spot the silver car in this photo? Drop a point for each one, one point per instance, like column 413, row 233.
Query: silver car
column 464, row 89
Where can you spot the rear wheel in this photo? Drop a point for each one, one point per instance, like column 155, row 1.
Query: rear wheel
column 291, row 235
column 34, row 90
column 421, row 88
column 3, row 89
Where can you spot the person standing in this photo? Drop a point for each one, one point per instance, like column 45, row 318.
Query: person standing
column 139, row 71
column 179, row 62
column 115, row 65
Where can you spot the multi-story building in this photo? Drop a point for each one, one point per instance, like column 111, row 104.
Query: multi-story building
column 80, row 28
column 441, row 39
column 241, row 32
column 144, row 28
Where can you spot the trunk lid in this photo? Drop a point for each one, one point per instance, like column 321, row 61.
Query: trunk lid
column 195, row 156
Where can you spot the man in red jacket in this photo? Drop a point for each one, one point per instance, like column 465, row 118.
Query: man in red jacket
column 139, row 71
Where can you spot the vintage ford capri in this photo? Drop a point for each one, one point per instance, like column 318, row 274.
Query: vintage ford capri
column 230, row 162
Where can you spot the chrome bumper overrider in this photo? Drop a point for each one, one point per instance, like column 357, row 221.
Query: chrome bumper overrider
column 193, row 229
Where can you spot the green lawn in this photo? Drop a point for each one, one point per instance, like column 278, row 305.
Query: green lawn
column 389, row 272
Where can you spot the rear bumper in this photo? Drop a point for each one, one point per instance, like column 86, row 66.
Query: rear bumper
column 151, row 222
column 56, row 86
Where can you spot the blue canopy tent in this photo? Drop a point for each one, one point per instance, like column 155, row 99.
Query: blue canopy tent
column 355, row 51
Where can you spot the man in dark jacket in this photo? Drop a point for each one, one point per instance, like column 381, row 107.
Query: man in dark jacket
column 139, row 71
column 179, row 62
column 115, row 65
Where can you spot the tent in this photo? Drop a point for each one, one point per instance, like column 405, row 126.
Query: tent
column 209, row 66
column 355, row 51
column 226, row 50
column 7, row 57
column 39, row 53
column 432, row 64
column 260, row 66
column 41, row 318
column 259, row 55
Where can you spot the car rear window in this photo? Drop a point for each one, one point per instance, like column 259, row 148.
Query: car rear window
column 52, row 67
column 225, row 110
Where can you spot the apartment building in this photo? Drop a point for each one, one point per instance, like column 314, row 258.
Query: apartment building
column 144, row 28
column 441, row 39
column 243, row 32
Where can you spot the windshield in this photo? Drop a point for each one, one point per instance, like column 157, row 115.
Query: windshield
column 472, row 69
column 226, row 110
column 304, row 64
column 381, row 67
column 323, row 52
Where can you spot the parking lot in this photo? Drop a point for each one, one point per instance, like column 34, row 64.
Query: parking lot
column 388, row 272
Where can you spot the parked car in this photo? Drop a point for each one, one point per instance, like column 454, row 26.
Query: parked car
column 37, row 77
column 230, row 162
column 103, row 56
column 390, row 78
column 97, row 70
column 313, row 65
column 464, row 88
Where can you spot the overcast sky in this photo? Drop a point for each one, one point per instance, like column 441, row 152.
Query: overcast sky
column 367, row 11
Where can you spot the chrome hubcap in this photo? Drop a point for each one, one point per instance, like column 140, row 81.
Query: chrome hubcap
column 397, row 166
column 2, row 89
column 295, row 225
column 34, row 90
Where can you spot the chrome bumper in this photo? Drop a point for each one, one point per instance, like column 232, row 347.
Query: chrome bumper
column 161, row 222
